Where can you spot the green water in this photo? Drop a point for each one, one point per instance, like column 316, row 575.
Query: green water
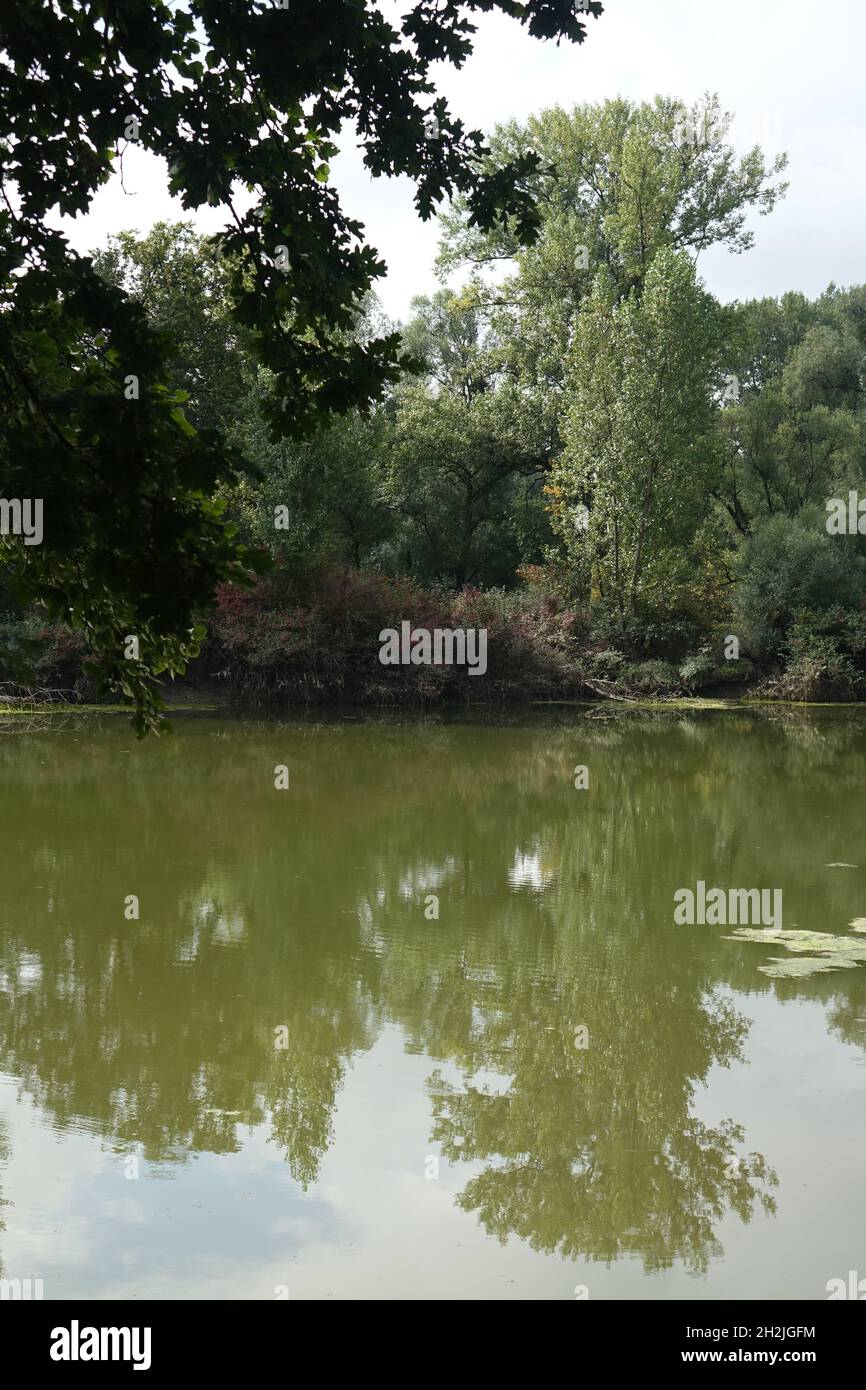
column 288, row 1074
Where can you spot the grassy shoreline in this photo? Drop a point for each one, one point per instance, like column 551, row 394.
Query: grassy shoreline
column 674, row 703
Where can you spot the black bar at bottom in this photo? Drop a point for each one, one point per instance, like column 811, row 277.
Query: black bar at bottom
column 158, row 1338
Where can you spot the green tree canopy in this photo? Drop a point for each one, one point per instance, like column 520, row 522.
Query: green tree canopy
column 468, row 459
column 797, row 433
column 630, row 488
column 182, row 284
column 618, row 181
column 244, row 102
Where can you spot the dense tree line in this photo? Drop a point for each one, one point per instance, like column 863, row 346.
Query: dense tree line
column 626, row 480
column 244, row 104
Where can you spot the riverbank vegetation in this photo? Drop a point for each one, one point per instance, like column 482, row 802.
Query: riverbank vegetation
column 622, row 479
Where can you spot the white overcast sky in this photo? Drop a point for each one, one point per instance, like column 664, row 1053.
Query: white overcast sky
column 792, row 72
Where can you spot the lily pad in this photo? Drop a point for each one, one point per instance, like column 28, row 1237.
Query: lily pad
column 813, row 952
column 815, row 942
column 799, row 967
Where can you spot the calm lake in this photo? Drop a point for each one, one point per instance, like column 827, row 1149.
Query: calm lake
column 421, row 1023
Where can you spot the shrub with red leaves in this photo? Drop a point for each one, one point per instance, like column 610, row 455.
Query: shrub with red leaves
column 319, row 638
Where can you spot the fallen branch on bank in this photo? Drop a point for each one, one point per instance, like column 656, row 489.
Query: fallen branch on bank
column 12, row 693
